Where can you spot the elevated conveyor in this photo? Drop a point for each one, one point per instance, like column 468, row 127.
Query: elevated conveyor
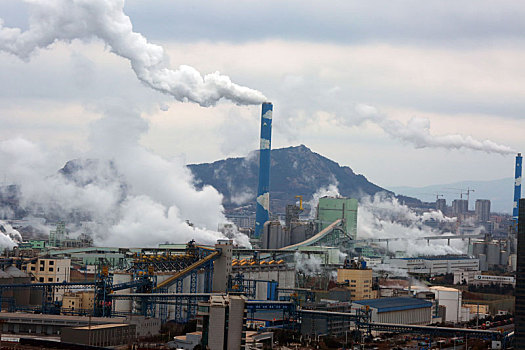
column 184, row 272
column 328, row 235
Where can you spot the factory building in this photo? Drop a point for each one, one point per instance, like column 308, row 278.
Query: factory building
column 402, row 310
column 265, row 271
column 48, row 270
column 331, row 209
column 435, row 265
column 358, row 279
column 312, row 325
column 451, row 299
column 103, row 335
column 222, row 322
column 491, row 254
column 80, row 301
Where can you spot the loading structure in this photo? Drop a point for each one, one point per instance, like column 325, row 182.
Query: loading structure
column 143, row 286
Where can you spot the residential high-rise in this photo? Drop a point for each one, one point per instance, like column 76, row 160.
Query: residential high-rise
column 483, row 210
column 441, row 204
column 459, row 206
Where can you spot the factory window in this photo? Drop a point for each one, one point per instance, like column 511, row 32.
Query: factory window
column 41, row 279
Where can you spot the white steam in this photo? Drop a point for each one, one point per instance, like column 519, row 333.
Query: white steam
column 308, row 265
column 133, row 197
column 330, row 191
column 66, row 20
column 385, row 217
column 417, row 132
column 9, row 237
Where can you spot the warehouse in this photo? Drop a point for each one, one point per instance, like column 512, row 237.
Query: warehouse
column 398, row 310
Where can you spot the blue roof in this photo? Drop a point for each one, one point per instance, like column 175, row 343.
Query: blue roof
column 394, row 304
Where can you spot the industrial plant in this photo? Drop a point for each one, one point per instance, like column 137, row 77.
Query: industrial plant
column 307, row 278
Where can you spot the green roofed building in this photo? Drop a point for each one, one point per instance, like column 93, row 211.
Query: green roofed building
column 331, row 209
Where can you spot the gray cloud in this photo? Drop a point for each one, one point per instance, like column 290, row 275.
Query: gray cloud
column 406, row 21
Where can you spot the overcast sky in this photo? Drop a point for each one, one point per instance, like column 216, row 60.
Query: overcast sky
column 457, row 63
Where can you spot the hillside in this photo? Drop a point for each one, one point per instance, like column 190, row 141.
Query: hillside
column 295, row 171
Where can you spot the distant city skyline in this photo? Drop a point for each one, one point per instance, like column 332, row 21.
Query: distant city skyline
column 324, row 67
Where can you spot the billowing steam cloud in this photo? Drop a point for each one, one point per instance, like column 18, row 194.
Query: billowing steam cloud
column 308, row 265
column 417, row 132
column 67, row 20
column 385, row 217
column 9, row 237
column 132, row 196
column 330, row 190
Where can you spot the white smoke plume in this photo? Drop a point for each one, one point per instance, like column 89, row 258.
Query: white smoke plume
column 384, row 217
column 9, row 237
column 330, row 190
column 133, row 196
column 417, row 132
column 308, row 265
column 66, row 20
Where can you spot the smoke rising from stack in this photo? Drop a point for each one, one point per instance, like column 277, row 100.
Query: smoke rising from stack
column 417, row 132
column 67, row 20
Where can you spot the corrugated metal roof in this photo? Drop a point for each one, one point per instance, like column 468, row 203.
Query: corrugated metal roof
column 394, row 304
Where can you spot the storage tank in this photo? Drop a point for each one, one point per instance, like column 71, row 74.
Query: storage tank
column 493, row 254
column 483, row 266
column 478, row 248
column 503, row 257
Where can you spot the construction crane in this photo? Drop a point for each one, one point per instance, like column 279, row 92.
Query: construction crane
column 300, row 202
column 463, row 191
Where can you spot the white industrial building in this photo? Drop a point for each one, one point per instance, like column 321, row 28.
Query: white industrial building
column 451, row 299
column 435, row 265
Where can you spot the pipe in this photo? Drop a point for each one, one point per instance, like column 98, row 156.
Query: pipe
column 517, row 187
column 262, row 213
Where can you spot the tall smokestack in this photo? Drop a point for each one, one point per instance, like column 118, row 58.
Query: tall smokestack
column 262, row 213
column 517, row 187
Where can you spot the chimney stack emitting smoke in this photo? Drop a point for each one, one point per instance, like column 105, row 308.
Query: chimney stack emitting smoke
column 517, row 187
column 262, row 213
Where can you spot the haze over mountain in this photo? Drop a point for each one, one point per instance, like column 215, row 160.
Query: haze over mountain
column 295, row 171
column 500, row 192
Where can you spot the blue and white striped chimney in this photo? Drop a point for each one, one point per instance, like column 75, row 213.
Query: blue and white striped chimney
column 262, row 213
column 517, row 187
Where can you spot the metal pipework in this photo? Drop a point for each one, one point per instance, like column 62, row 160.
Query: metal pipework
column 262, row 213
column 517, row 187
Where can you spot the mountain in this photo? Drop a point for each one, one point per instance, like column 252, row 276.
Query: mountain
column 294, row 171
column 500, row 192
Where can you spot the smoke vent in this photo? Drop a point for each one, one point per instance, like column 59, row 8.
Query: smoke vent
column 517, row 187
column 262, row 213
